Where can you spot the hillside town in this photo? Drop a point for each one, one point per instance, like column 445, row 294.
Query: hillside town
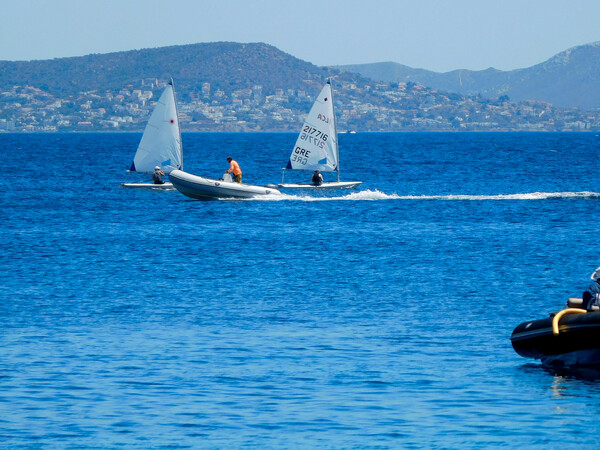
column 370, row 107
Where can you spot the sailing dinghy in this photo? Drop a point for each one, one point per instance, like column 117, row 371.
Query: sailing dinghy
column 317, row 145
column 161, row 142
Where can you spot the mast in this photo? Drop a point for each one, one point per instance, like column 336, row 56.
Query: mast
column 337, row 148
column 178, row 126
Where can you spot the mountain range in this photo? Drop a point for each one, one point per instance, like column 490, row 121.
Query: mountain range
column 569, row 79
column 228, row 86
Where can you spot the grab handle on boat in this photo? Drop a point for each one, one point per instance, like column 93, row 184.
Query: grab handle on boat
column 564, row 312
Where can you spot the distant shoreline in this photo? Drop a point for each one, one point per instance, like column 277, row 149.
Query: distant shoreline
column 342, row 133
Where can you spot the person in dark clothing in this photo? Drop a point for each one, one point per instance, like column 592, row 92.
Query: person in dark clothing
column 317, row 178
column 157, row 175
column 591, row 297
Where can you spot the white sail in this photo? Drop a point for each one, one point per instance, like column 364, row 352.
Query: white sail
column 161, row 141
column 317, row 147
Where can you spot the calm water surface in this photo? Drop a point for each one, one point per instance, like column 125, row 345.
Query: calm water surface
column 372, row 318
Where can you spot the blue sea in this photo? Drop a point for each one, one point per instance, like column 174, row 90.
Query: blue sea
column 377, row 317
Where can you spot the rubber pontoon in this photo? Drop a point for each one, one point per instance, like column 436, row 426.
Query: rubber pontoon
column 570, row 337
column 201, row 188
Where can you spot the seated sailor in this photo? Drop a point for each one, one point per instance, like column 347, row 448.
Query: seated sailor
column 317, row 178
column 157, row 175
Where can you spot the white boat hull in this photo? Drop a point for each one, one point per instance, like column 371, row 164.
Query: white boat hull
column 201, row 188
column 328, row 185
column 144, row 185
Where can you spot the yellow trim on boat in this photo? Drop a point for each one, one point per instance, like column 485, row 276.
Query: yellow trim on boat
column 564, row 312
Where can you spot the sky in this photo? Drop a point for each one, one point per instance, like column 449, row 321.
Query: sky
column 438, row 35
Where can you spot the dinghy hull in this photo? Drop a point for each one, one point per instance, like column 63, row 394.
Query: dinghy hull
column 151, row 186
column 201, row 188
column 329, row 185
column 572, row 340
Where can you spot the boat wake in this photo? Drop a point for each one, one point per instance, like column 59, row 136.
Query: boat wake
column 375, row 195
column 520, row 196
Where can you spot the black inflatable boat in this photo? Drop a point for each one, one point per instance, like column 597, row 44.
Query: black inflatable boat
column 570, row 337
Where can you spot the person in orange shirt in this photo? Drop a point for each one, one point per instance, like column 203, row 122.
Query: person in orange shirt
column 235, row 168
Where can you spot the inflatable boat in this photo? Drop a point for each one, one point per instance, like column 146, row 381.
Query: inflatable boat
column 201, row 188
column 568, row 338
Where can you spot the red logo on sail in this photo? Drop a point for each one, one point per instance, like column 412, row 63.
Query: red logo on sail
column 323, row 118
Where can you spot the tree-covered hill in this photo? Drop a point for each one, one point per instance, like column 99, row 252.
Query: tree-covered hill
column 225, row 65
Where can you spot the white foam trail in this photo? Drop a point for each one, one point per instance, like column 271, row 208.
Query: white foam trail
column 520, row 196
column 375, row 195
column 366, row 195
